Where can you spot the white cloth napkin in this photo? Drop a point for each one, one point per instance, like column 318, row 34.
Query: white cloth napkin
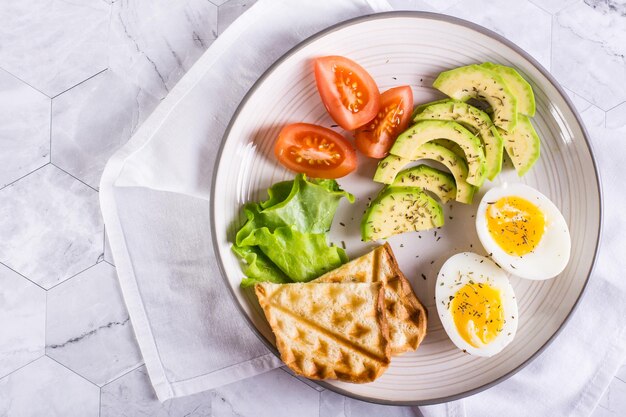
column 154, row 195
column 570, row 376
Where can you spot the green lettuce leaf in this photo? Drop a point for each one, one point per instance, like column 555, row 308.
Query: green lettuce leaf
column 258, row 267
column 301, row 256
column 284, row 237
column 309, row 207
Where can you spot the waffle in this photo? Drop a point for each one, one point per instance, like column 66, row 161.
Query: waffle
column 405, row 314
column 329, row 330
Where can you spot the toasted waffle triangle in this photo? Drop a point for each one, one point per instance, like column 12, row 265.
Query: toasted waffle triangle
column 405, row 313
column 329, row 330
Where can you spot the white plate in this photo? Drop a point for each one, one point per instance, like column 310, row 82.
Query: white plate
column 412, row 48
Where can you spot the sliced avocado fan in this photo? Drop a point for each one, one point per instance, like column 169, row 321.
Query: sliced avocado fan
column 400, row 209
column 472, row 118
column 522, row 145
column 410, row 141
column 520, row 88
column 474, row 81
column 389, row 167
column 429, row 179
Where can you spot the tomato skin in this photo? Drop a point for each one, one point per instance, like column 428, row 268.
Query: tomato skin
column 331, row 154
column 376, row 137
column 348, row 92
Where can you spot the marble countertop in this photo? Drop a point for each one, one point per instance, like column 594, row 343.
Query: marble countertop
column 76, row 80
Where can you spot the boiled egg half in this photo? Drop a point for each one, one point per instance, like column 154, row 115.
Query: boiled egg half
column 476, row 304
column 523, row 232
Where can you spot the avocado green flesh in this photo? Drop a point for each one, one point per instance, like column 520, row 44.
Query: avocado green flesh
column 410, row 141
column 476, row 121
column 522, row 145
column 388, row 168
column 420, row 108
column 400, row 209
column 520, row 88
column 457, row 166
column 474, row 81
column 429, row 179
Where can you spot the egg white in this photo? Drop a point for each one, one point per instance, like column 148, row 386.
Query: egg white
column 456, row 272
column 551, row 255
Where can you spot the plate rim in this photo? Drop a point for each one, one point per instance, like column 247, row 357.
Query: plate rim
column 427, row 16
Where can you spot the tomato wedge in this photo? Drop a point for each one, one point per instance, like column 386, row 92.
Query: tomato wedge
column 375, row 138
column 314, row 150
column 347, row 90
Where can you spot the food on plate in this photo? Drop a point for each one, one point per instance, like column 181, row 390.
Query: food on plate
column 406, row 316
column 376, row 137
column 522, row 145
column 476, row 304
column 430, row 179
column 284, row 237
column 410, row 141
column 347, row 323
column 523, row 231
column 348, row 92
column 476, row 82
column 389, row 167
column 398, row 210
column 329, row 330
column 473, row 119
column 520, row 88
column 315, row 150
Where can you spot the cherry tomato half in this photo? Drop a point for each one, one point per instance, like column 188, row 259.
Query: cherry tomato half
column 376, row 137
column 314, row 150
column 347, row 90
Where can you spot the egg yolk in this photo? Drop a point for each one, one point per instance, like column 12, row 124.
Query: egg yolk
column 477, row 313
column 516, row 224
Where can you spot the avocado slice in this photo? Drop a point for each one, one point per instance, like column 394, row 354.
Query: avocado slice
column 522, row 145
column 388, row 168
column 520, row 88
column 425, row 131
column 457, row 166
column 475, row 120
column 400, row 209
column 420, row 108
column 474, row 81
column 429, row 179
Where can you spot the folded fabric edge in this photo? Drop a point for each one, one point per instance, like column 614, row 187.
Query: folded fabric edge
column 226, row 375
column 612, row 361
column 130, row 291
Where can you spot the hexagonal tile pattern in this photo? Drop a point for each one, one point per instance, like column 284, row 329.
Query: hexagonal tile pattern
column 88, row 328
column 335, row 405
column 530, row 29
column 156, row 59
column 45, row 388
column 132, row 395
column 50, row 225
column 92, row 120
column 613, row 402
column 553, row 6
column 229, row 11
column 24, row 129
column 579, row 102
column 591, row 38
column 616, row 117
column 53, row 44
column 233, row 399
column 22, row 320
